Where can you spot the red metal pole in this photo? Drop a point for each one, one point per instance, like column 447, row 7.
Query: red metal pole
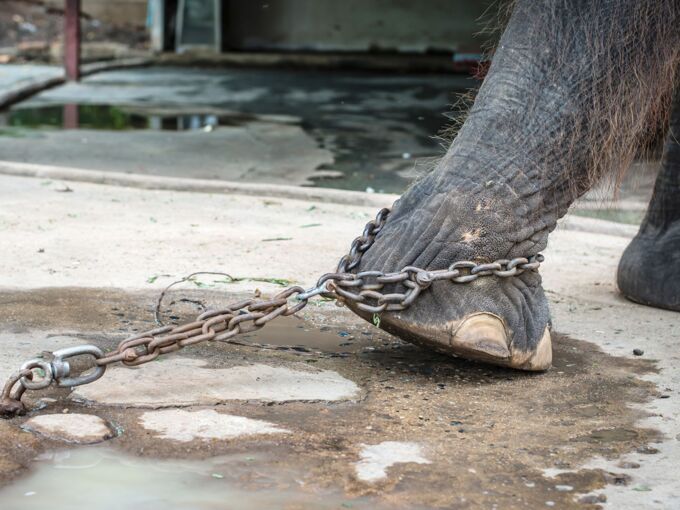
column 72, row 39
column 71, row 116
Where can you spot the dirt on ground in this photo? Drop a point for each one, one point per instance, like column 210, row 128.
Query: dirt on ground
column 29, row 28
column 493, row 436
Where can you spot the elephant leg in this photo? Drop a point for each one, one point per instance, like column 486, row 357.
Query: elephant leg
column 571, row 88
column 649, row 271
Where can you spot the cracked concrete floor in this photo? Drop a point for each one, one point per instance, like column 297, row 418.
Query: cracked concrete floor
column 483, row 435
column 389, row 424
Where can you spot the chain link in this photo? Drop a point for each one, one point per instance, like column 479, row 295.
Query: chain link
column 364, row 289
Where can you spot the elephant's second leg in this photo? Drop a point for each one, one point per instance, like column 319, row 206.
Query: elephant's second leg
column 649, row 271
column 570, row 89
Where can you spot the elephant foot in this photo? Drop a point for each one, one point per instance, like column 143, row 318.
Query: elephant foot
column 649, row 270
column 479, row 336
column 498, row 320
column 487, row 322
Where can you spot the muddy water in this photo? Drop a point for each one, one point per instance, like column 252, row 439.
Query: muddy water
column 112, row 318
column 292, row 332
column 104, row 479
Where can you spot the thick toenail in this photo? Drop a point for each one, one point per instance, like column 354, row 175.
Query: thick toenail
column 482, row 333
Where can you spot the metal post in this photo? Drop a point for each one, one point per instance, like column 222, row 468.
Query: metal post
column 72, row 39
column 218, row 26
column 71, row 116
column 156, row 22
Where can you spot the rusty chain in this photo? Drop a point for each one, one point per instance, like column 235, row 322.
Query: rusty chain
column 363, row 289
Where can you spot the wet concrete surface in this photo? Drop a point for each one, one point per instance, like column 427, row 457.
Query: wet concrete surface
column 379, row 129
column 255, row 151
column 15, row 76
column 359, row 131
column 491, row 436
column 98, row 236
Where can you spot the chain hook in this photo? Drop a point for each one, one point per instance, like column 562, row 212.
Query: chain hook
column 10, row 398
column 314, row 291
column 61, row 369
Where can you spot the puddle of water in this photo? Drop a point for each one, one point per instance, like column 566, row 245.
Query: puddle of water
column 611, row 435
column 104, row 479
column 109, row 117
column 292, row 331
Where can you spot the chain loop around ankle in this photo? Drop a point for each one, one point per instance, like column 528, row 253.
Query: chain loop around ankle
column 364, row 289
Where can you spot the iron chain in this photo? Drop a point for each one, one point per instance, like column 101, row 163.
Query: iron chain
column 363, row 289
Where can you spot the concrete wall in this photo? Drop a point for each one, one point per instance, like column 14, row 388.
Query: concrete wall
column 328, row 25
column 353, row 25
column 118, row 12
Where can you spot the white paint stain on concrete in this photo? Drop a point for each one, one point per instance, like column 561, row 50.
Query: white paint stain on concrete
column 376, row 459
column 71, row 428
column 177, row 382
column 181, row 425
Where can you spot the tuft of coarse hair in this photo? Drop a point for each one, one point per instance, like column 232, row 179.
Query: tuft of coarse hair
column 615, row 62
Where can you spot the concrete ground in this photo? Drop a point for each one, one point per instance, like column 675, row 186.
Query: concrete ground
column 350, row 130
column 20, row 81
column 12, row 76
column 347, row 130
column 356, row 418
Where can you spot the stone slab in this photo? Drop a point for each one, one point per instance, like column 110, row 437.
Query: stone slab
column 178, row 382
column 71, row 428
